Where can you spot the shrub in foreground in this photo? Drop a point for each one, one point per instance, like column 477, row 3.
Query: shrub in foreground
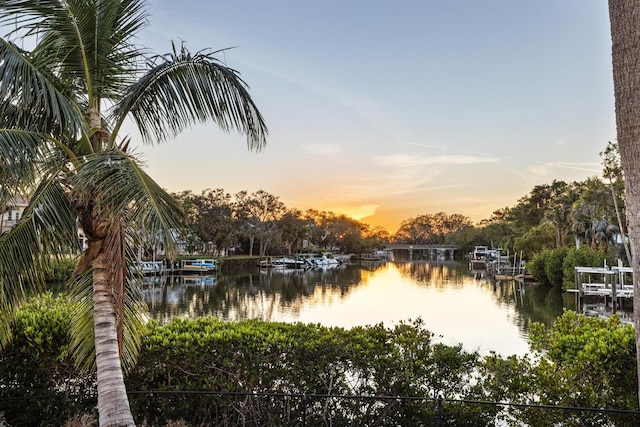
column 579, row 361
column 37, row 376
column 261, row 357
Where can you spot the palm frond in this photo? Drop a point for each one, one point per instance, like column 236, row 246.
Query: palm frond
column 54, row 218
column 89, row 43
column 183, row 89
column 29, row 98
column 26, row 156
column 19, row 151
column 82, row 329
column 127, row 191
column 21, row 267
column 117, row 58
column 47, row 230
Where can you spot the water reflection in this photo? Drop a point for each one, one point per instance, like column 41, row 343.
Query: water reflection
column 459, row 306
column 268, row 294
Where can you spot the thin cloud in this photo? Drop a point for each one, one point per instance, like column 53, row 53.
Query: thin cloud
column 396, row 185
column 546, row 169
column 439, row 147
column 590, row 167
column 406, row 160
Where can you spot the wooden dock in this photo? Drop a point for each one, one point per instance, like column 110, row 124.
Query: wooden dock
column 502, row 270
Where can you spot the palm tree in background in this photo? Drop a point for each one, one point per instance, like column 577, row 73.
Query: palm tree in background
column 63, row 105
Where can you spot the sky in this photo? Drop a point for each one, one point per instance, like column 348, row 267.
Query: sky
column 385, row 110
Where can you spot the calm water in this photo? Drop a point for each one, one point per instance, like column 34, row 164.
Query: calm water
column 455, row 304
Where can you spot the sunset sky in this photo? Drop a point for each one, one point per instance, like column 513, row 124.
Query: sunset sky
column 385, row 110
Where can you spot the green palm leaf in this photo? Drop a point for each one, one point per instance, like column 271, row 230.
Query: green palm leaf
column 93, row 43
column 182, row 89
column 47, row 230
column 127, row 191
column 19, row 151
column 43, row 106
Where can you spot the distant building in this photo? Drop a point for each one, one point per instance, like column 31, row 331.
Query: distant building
column 12, row 213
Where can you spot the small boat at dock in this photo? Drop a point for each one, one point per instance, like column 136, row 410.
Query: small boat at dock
column 282, row 262
column 482, row 255
column 198, row 265
column 149, row 268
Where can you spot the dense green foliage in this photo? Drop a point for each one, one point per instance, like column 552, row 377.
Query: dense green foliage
column 556, row 267
column 535, row 240
column 60, row 269
column 537, row 267
column 579, row 361
column 37, row 363
column 553, row 265
column 585, row 257
column 258, row 357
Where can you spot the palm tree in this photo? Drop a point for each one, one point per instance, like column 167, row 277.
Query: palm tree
column 63, row 105
column 624, row 17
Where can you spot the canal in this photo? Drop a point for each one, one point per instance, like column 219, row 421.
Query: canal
column 455, row 304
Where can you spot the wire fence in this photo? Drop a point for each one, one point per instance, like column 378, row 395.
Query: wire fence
column 158, row 407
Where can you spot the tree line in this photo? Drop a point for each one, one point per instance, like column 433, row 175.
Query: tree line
column 589, row 213
column 259, row 223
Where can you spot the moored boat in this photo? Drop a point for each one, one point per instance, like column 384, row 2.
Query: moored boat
column 198, row 265
column 282, row 262
column 150, row 267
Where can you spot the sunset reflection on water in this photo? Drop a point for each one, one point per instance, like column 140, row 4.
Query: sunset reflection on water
column 454, row 304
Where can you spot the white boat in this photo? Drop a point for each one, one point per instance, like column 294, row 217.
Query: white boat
column 326, row 259
column 480, row 253
column 282, row 262
column 150, row 267
column 198, row 265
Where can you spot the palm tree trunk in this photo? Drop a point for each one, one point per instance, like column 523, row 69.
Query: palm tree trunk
column 624, row 17
column 113, row 403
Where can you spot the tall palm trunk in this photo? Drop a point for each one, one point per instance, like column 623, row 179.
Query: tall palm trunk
column 106, row 256
column 624, row 16
column 113, row 404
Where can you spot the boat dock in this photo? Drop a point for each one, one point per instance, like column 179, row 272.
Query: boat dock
column 508, row 272
column 499, row 267
column 186, row 266
column 613, row 284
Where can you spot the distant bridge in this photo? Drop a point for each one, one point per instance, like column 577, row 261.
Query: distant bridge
column 432, row 251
